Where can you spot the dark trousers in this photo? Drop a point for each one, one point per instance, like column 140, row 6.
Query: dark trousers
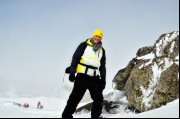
column 82, row 83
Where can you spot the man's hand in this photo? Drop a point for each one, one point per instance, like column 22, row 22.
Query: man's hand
column 72, row 77
column 67, row 71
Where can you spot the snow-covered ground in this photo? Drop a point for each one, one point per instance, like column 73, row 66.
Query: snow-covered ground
column 53, row 108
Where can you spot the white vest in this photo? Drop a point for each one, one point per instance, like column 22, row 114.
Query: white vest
column 90, row 58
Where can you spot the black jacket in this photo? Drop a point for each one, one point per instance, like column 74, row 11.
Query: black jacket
column 77, row 57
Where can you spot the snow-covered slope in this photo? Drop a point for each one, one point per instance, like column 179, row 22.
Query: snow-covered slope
column 171, row 110
column 54, row 107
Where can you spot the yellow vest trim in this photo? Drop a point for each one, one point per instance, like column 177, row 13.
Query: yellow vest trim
column 89, row 42
column 79, row 68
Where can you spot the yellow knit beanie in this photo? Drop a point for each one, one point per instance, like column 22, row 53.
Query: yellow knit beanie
column 98, row 32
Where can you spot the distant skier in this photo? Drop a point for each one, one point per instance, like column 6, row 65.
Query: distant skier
column 39, row 105
column 25, row 105
column 88, row 63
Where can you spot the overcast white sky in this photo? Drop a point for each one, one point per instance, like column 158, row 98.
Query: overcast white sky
column 39, row 37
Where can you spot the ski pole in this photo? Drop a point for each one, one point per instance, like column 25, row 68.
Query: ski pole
column 67, row 71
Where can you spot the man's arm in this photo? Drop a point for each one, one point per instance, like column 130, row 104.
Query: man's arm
column 76, row 58
column 103, row 70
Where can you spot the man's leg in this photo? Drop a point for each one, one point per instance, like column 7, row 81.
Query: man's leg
column 74, row 99
column 97, row 96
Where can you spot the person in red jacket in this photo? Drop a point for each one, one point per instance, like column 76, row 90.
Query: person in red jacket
column 25, row 105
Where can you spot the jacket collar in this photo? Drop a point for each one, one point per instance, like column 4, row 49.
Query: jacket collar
column 89, row 42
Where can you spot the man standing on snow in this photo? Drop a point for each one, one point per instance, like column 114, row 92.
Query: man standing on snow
column 88, row 63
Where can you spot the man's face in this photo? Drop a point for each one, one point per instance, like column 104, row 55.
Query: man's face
column 97, row 39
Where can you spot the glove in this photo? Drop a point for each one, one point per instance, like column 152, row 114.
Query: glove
column 72, row 77
column 67, row 71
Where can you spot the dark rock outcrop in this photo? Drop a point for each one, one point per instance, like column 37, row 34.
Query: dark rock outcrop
column 152, row 78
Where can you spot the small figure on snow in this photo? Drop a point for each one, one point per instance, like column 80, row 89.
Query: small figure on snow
column 39, row 105
column 25, row 105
